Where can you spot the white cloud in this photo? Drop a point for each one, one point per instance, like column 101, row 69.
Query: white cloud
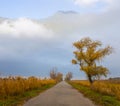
column 112, row 5
column 91, row 3
column 24, row 27
column 85, row 2
column 68, row 27
column 104, row 27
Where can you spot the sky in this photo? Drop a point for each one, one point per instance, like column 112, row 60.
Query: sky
column 38, row 35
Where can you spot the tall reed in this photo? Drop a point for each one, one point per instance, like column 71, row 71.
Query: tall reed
column 12, row 86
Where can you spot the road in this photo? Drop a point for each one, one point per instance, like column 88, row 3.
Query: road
column 61, row 94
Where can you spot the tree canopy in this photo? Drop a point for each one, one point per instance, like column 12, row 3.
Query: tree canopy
column 88, row 54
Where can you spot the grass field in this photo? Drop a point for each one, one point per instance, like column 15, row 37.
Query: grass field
column 15, row 90
column 104, row 93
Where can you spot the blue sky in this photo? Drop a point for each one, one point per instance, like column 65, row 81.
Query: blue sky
column 41, row 8
column 37, row 35
column 33, row 8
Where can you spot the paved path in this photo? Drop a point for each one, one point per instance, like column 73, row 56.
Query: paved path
column 60, row 95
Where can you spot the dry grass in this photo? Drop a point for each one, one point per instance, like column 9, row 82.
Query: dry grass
column 13, row 86
column 104, row 87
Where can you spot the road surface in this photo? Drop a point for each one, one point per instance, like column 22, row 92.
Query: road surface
column 61, row 94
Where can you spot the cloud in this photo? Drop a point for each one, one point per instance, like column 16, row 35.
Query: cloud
column 98, row 4
column 112, row 5
column 85, row 2
column 104, row 27
column 24, row 28
column 67, row 27
column 78, row 23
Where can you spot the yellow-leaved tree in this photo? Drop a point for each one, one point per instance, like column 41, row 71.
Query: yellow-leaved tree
column 88, row 54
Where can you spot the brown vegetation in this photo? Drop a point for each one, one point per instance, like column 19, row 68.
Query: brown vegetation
column 104, row 87
column 13, row 86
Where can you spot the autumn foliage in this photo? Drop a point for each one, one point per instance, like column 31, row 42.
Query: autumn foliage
column 88, row 54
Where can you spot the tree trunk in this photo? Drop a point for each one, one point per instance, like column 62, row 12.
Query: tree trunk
column 90, row 79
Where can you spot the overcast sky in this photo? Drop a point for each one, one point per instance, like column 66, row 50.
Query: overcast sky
column 37, row 35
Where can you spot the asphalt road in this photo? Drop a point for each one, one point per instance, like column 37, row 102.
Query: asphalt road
column 60, row 95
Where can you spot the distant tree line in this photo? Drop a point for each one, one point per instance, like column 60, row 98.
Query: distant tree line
column 58, row 76
column 68, row 76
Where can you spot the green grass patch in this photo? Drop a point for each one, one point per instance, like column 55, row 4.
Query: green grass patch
column 97, row 98
column 20, row 99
